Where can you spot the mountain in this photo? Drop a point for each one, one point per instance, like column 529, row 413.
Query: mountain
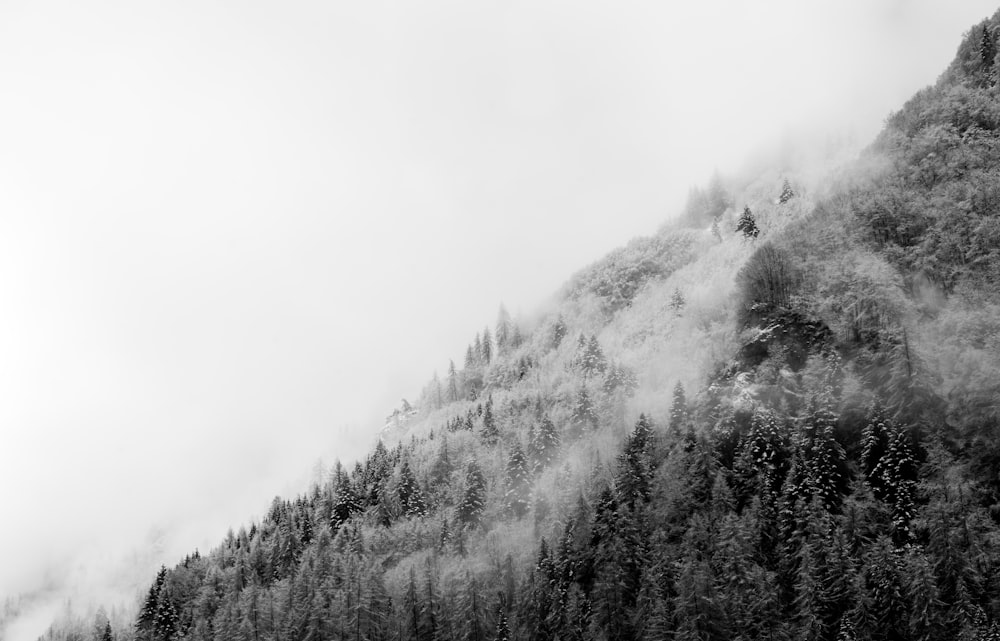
column 774, row 419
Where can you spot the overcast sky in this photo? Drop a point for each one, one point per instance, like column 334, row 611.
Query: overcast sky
column 234, row 234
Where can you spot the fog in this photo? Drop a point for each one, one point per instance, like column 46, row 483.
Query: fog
column 234, row 234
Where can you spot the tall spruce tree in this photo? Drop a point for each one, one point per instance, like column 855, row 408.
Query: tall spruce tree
column 487, row 346
column 518, row 483
column 747, row 225
column 452, row 382
column 678, row 410
column 503, row 330
column 470, row 510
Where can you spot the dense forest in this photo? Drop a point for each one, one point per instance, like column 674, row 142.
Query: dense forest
column 777, row 418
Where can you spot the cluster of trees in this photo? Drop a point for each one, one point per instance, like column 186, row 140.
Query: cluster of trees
column 821, row 485
column 616, row 279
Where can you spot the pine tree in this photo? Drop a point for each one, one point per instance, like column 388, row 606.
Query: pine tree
column 347, row 501
column 678, row 410
column 823, row 456
column 408, row 492
column 487, row 346
column 715, row 229
column 437, row 398
column 503, row 330
column 634, row 467
column 452, row 382
column 477, row 347
column 166, row 625
column 987, row 47
column 584, row 416
column 472, row 611
column 146, row 620
column 470, row 510
column 503, row 627
column 543, row 444
column 106, row 634
column 747, row 224
column 677, row 302
column 558, row 332
column 489, row 433
column 470, row 357
column 897, row 470
column 518, row 484
column 786, row 193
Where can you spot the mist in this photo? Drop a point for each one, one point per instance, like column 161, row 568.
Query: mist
column 233, row 236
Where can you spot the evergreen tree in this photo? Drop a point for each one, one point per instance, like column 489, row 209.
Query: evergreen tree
column 106, row 634
column 487, row 346
column 490, row 433
column 584, row 416
column 823, row 456
column 747, row 225
column 518, row 483
column 503, row 330
column 715, row 229
column 452, row 382
column 347, row 502
column 559, row 331
column 146, row 620
column 470, row 357
column 678, row 410
column 897, row 471
column 477, row 346
column 503, row 627
column 472, row 611
column 543, row 444
column 634, row 467
column 786, row 192
column 677, row 302
column 411, row 499
column 436, row 396
column 470, row 509
column 987, row 47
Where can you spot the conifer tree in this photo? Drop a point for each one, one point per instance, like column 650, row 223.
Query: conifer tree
column 987, row 47
column 634, row 467
column 678, row 410
column 346, row 503
column 106, row 634
column 146, row 620
column 470, row 357
column 786, row 192
column 677, row 302
column 436, row 396
column 470, row 509
column 487, row 346
column 408, row 492
column 490, row 433
column 472, row 611
column 823, row 456
column 503, row 330
column 518, row 485
column 584, row 416
column 543, row 444
column 503, row 627
column 747, row 225
column 477, row 347
column 452, row 382
column 558, row 332
column 715, row 229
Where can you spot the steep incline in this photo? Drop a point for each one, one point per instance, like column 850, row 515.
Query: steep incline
column 777, row 420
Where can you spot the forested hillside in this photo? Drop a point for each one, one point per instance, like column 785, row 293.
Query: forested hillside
column 777, row 418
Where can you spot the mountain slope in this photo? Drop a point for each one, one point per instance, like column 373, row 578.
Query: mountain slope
column 783, row 432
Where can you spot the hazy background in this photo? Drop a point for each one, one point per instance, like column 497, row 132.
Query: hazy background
column 234, row 234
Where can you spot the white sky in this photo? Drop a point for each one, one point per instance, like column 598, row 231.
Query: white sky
column 234, row 234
